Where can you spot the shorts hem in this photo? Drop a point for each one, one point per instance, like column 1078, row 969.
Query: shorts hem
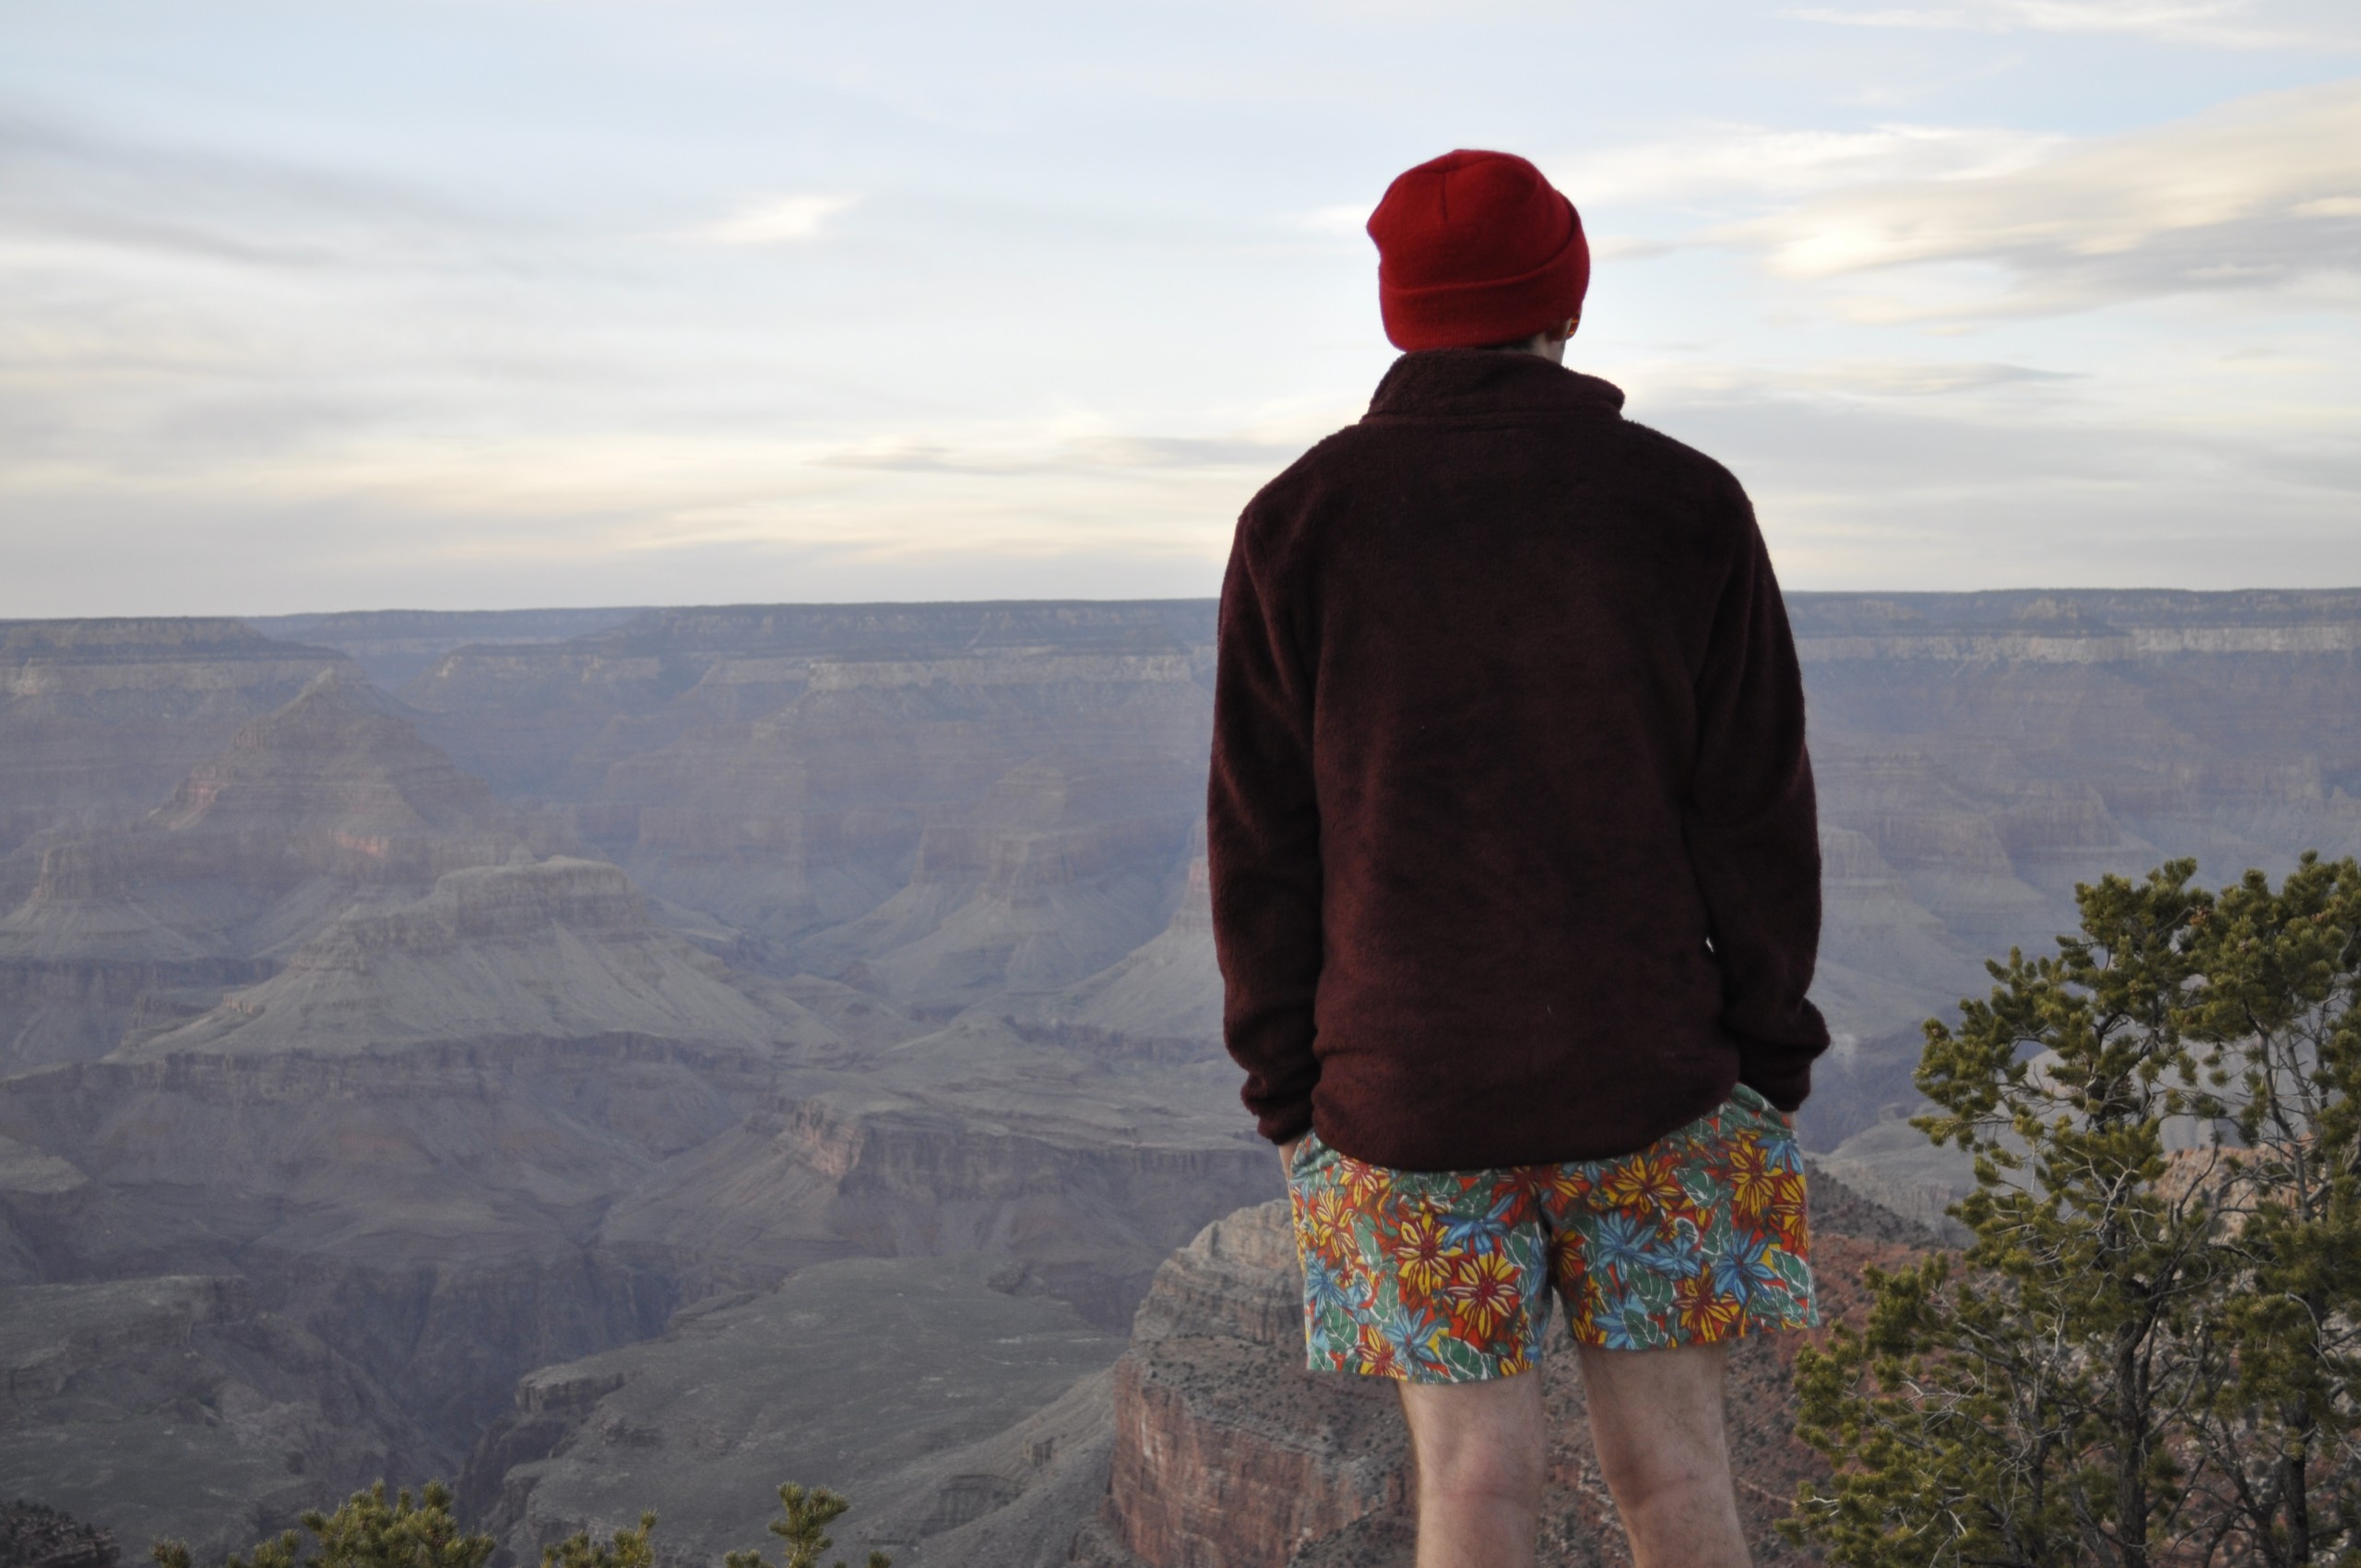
column 1754, row 1324
column 1356, row 1367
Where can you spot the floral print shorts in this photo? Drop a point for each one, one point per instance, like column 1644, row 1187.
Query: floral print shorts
column 1440, row 1275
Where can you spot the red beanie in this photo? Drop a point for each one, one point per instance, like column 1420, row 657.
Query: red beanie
column 1476, row 248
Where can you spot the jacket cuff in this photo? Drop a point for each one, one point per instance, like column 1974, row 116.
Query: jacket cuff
column 1284, row 1124
column 1783, row 1077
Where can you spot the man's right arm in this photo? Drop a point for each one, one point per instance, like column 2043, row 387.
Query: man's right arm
column 1262, row 849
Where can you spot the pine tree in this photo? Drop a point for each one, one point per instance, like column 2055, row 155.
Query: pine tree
column 2092, row 1379
column 368, row 1531
column 2281, row 1014
column 2013, row 1419
column 805, row 1514
column 628, row 1547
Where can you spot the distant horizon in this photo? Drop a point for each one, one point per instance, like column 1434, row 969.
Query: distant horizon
column 625, row 609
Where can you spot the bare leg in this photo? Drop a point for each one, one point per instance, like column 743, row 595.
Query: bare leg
column 1481, row 1448
column 1656, row 1417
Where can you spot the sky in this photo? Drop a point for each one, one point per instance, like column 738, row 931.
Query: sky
column 327, row 306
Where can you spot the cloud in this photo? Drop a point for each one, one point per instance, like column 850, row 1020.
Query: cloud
column 1905, row 378
column 1909, row 402
column 60, row 186
column 2260, row 193
column 2223, row 24
column 1725, row 159
column 775, row 221
column 1739, row 167
column 1080, row 453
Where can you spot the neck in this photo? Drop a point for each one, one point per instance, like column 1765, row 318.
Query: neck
column 1541, row 346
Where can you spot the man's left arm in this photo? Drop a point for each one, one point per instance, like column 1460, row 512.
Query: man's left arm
column 1754, row 828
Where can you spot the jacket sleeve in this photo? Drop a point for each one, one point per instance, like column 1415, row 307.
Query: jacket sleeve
column 1753, row 828
column 1262, row 849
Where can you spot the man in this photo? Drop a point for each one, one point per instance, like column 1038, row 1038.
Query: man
column 1516, row 889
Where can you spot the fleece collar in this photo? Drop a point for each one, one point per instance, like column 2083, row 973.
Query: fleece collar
column 1449, row 383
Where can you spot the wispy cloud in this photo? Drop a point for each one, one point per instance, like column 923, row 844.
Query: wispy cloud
column 1918, row 378
column 1075, row 454
column 2260, row 193
column 62, row 186
column 1725, row 159
column 1738, row 166
column 775, row 221
column 2231, row 24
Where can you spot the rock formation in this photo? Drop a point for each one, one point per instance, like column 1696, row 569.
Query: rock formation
column 894, row 1381
column 1227, row 1452
column 1062, row 868
column 329, row 803
column 173, row 1406
column 940, row 792
column 32, row 1536
column 395, row 645
column 98, row 719
column 552, row 950
column 1162, row 999
column 1088, row 1172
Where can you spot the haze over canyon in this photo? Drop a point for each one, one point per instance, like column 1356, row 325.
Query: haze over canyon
column 622, row 1059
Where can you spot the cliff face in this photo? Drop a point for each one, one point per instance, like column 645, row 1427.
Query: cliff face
column 397, row 646
column 433, row 1217
column 629, row 692
column 559, row 949
column 329, row 803
column 1161, row 1000
column 425, row 1062
column 927, row 1389
column 1062, row 868
column 175, row 1406
column 100, row 719
column 958, row 797
column 1225, row 1451
column 1090, row 1183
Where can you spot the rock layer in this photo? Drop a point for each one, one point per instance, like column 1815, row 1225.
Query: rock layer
column 432, row 1215
column 328, row 804
column 100, row 719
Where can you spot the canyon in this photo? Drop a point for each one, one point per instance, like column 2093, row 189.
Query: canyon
column 589, row 1053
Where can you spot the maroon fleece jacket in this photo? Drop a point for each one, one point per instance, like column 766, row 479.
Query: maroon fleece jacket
column 1510, row 822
